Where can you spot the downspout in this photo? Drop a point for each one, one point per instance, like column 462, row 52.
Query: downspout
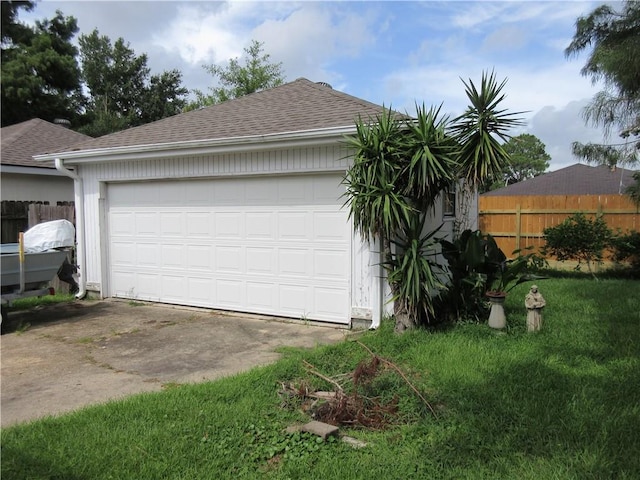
column 377, row 283
column 79, row 202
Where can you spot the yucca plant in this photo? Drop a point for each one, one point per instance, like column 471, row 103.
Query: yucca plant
column 414, row 271
column 401, row 166
column 479, row 131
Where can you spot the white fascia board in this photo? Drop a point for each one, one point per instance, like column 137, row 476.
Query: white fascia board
column 305, row 138
column 50, row 172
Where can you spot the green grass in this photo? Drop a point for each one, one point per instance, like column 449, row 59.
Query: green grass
column 563, row 403
column 32, row 302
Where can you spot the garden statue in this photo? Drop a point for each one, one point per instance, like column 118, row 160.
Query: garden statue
column 534, row 303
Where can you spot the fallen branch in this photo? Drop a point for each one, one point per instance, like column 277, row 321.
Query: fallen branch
column 311, row 369
column 402, row 375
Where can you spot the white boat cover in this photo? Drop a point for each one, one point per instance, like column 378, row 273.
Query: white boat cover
column 49, row 235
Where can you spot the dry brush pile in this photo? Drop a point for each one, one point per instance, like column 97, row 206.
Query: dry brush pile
column 360, row 398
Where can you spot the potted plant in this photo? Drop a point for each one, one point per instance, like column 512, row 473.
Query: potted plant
column 504, row 276
column 479, row 270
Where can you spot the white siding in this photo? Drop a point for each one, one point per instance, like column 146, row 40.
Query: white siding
column 36, row 188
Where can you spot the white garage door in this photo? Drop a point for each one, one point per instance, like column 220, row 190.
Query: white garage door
column 270, row 245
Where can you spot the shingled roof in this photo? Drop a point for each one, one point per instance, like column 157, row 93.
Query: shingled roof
column 576, row 179
column 292, row 107
column 33, row 137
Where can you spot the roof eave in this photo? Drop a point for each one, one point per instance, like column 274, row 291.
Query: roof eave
column 29, row 170
column 252, row 143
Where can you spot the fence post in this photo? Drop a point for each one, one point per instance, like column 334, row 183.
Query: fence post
column 518, row 225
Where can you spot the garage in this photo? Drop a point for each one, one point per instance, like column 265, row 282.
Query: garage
column 275, row 245
column 236, row 207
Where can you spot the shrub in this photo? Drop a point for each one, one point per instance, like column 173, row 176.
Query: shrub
column 626, row 248
column 578, row 238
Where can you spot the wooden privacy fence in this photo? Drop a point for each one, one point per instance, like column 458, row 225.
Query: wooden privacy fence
column 20, row 216
column 519, row 221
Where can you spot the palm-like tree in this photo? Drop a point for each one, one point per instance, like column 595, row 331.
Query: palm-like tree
column 401, row 166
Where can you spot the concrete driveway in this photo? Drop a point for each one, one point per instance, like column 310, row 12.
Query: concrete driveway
column 88, row 352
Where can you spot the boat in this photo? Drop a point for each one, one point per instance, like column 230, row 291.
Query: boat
column 39, row 268
column 27, row 267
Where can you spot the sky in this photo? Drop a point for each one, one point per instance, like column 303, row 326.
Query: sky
column 392, row 53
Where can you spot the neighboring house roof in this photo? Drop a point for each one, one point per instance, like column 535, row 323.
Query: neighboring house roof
column 297, row 106
column 33, row 137
column 576, row 179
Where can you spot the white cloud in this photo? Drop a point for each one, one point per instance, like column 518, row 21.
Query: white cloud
column 305, row 37
column 312, row 38
column 558, row 127
column 509, row 37
column 475, row 14
column 200, row 34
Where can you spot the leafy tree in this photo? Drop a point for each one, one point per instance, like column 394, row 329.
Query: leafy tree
column 578, row 238
column 400, row 168
column 236, row 80
column 40, row 74
column 14, row 32
column 633, row 190
column 614, row 39
column 121, row 91
column 528, row 159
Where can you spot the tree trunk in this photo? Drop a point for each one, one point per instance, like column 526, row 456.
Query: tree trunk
column 403, row 317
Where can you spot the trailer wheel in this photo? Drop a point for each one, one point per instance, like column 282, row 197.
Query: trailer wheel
column 5, row 318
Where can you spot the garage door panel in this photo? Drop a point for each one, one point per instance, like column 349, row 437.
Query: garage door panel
column 147, row 286
column 330, row 227
column 198, row 194
column 230, row 293
column 198, row 224
column 172, row 224
column 148, row 255
column 174, row 288
column 259, row 192
column 262, row 296
column 172, row 193
column 295, row 300
column 294, row 226
column 200, row 258
column 260, row 226
column 294, row 262
column 122, row 223
column 326, row 191
column 331, row 301
column 145, row 224
column 123, row 283
column 331, row 264
column 229, row 260
column 123, row 253
column 228, row 225
column 261, row 261
column 271, row 245
column 293, row 191
column 173, row 256
column 229, row 193
column 200, row 290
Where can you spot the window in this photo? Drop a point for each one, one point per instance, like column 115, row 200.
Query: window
column 449, row 202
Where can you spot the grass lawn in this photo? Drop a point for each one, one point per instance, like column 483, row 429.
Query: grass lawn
column 560, row 404
column 31, row 302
